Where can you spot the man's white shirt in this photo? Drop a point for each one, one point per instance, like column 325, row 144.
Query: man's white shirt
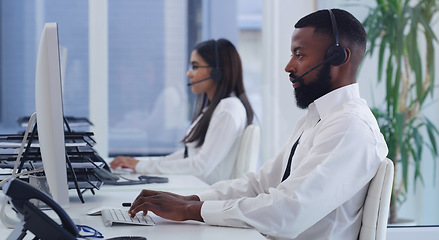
column 339, row 152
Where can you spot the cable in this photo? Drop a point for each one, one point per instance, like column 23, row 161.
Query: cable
column 23, row 142
column 6, row 220
column 38, row 170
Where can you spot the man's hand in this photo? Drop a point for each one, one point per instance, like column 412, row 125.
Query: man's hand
column 124, row 162
column 168, row 205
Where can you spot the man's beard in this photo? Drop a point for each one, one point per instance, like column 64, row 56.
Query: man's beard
column 308, row 93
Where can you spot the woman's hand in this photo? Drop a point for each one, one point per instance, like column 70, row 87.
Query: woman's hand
column 124, row 162
column 168, row 205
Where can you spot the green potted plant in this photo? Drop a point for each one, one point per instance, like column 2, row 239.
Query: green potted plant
column 400, row 30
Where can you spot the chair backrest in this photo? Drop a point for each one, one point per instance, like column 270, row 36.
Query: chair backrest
column 377, row 203
column 248, row 151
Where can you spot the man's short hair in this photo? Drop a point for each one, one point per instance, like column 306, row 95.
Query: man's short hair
column 350, row 30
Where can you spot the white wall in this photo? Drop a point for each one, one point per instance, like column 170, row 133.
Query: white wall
column 279, row 105
column 98, row 75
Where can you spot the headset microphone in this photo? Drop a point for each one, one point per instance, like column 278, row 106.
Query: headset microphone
column 202, row 80
column 316, row 66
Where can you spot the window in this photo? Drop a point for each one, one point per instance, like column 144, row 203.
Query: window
column 149, row 43
column 21, row 27
column 148, row 97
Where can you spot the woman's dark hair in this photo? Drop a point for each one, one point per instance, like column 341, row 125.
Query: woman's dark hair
column 231, row 82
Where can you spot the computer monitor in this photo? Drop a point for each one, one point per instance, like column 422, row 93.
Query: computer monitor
column 50, row 125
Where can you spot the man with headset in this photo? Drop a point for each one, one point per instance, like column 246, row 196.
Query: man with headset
column 316, row 186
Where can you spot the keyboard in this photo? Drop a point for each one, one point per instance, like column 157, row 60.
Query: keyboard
column 117, row 215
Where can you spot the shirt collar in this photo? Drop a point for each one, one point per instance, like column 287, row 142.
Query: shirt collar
column 327, row 103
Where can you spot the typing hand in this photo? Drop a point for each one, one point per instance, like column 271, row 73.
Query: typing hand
column 168, row 205
column 123, row 162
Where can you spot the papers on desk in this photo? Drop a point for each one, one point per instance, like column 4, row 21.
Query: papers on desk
column 37, row 145
column 75, row 165
column 81, row 159
column 73, row 121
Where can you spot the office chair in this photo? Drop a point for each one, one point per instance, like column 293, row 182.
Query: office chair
column 377, row 203
column 248, row 151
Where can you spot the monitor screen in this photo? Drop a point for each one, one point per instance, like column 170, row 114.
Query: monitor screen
column 50, row 125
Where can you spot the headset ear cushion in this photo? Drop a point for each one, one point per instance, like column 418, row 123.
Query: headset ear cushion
column 215, row 74
column 338, row 53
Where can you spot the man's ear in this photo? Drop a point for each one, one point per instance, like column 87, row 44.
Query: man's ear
column 348, row 55
column 341, row 73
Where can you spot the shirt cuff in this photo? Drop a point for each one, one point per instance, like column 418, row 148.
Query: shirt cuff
column 142, row 165
column 222, row 213
column 211, row 212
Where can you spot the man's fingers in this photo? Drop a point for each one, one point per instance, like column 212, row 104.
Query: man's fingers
column 146, row 204
column 143, row 207
column 145, row 196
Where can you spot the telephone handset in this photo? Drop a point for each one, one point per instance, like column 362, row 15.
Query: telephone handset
column 34, row 220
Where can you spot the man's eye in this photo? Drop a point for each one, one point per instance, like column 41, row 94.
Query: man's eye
column 298, row 55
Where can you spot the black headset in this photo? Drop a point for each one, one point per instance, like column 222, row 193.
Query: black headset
column 215, row 73
column 336, row 51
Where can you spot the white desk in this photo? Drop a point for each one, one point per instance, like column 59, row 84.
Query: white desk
column 413, row 232
column 113, row 196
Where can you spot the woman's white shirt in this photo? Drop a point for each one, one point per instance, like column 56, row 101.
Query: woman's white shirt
column 215, row 159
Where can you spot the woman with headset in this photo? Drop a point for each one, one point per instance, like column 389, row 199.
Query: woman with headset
column 222, row 112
